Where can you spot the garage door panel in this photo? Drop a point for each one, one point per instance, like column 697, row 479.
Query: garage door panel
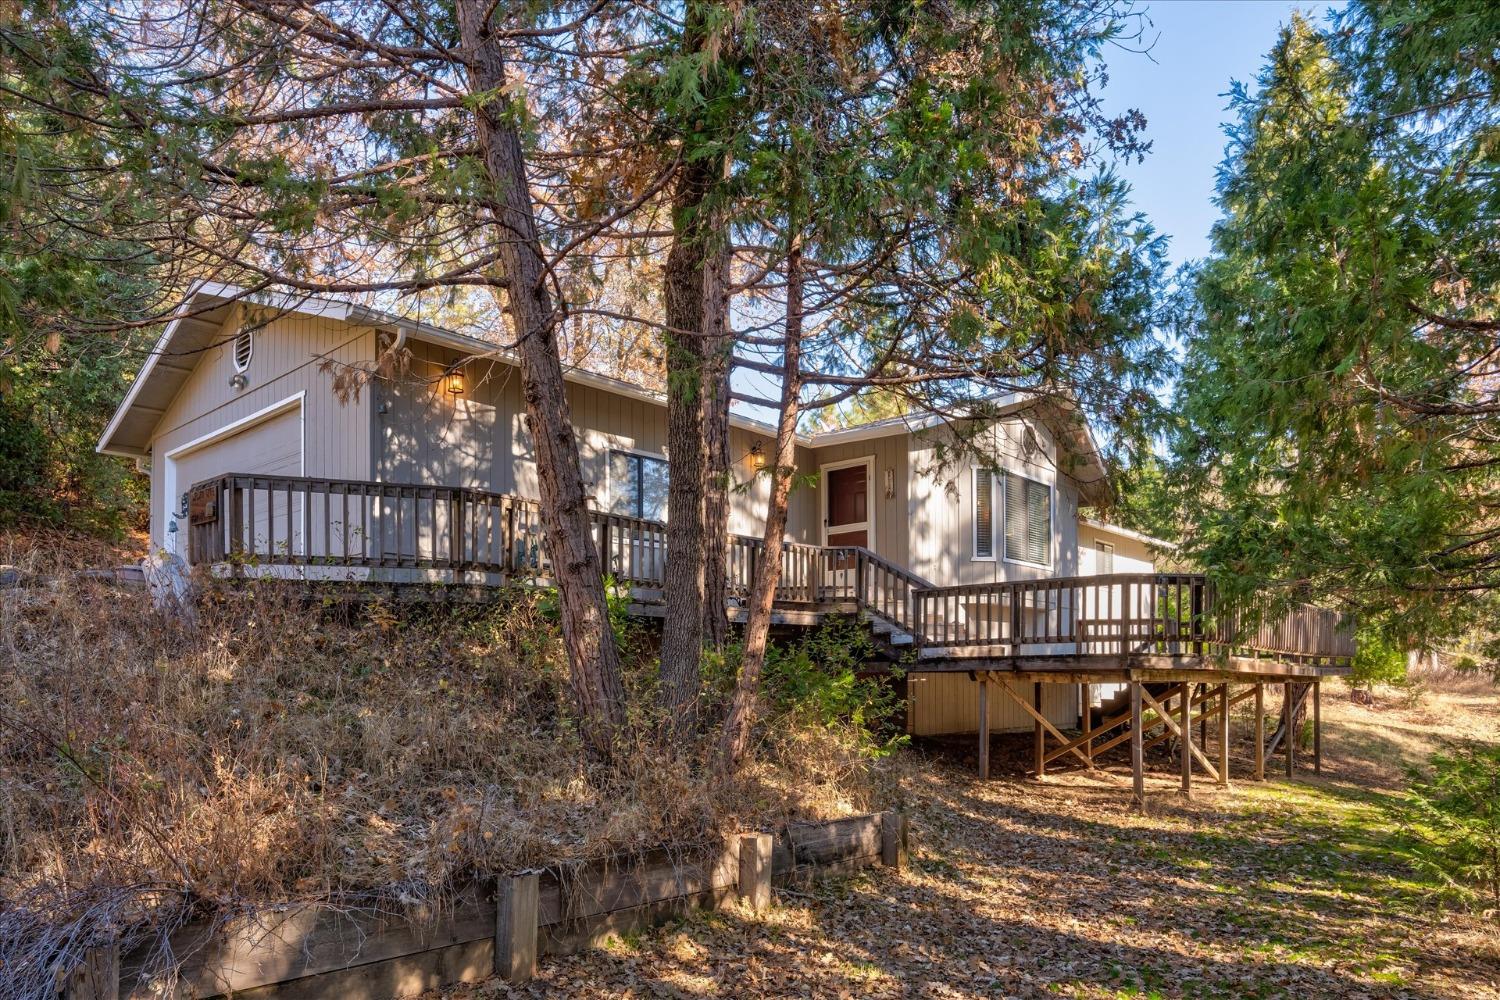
column 274, row 525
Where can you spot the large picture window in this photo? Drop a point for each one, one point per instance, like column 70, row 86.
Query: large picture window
column 638, row 485
column 1028, row 520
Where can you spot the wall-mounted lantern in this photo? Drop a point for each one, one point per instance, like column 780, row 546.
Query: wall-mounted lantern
column 757, row 457
column 456, row 382
column 890, row 484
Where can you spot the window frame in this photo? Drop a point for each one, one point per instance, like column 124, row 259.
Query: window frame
column 974, row 556
column 1100, row 548
column 640, row 457
column 1051, row 520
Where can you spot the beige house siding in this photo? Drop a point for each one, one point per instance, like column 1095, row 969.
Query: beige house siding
column 1131, row 554
column 286, row 360
column 892, row 513
column 941, row 523
column 945, row 703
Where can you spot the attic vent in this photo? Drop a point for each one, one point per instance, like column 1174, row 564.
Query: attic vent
column 1029, row 444
column 244, row 346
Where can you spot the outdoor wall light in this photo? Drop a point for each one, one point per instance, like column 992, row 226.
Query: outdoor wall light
column 238, row 381
column 757, row 456
column 890, row 484
column 456, row 382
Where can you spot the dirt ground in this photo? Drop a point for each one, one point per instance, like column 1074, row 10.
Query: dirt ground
column 1020, row 888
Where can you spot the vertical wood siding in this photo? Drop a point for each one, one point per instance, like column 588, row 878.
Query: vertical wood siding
column 893, row 514
column 944, row 703
column 941, row 523
column 287, row 359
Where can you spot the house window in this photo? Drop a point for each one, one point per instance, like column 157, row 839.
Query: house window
column 984, row 514
column 638, row 485
column 1104, row 557
column 244, row 346
column 1028, row 520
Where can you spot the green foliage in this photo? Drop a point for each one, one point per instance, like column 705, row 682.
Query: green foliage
column 1333, row 425
column 816, row 680
column 1451, row 813
column 1379, row 660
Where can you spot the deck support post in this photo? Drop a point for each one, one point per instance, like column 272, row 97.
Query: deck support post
column 1137, row 749
column 1039, row 737
column 1224, row 735
column 1186, row 736
column 1288, row 725
column 1317, row 693
column 984, row 727
column 1086, row 721
column 1260, row 731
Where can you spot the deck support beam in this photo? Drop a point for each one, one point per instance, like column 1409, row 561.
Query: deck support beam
column 1224, row 735
column 1260, row 731
column 1317, row 696
column 1185, row 734
column 984, row 727
column 1289, row 727
column 1137, row 752
column 1086, row 721
column 1039, row 735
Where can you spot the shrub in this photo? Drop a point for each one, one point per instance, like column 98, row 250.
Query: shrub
column 1451, row 813
column 1377, row 660
column 817, row 681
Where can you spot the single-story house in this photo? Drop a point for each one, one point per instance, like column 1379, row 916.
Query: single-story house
column 245, row 385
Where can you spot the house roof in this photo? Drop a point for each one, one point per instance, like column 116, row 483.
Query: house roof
column 1115, row 529
column 203, row 312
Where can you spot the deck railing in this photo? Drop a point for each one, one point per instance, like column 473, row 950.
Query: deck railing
column 468, row 535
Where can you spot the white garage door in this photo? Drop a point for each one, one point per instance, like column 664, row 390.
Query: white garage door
column 270, row 447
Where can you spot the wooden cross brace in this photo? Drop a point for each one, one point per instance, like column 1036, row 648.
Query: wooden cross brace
column 1046, row 725
column 1213, row 772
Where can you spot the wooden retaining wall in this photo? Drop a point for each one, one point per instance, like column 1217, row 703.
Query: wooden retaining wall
column 498, row 927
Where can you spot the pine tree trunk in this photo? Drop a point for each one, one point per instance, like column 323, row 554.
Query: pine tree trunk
column 682, row 629
column 735, row 739
column 719, row 467
column 594, row 665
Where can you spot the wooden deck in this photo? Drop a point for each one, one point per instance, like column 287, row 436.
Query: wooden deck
column 451, row 540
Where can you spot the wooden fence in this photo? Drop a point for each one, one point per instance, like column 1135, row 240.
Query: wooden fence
column 467, row 535
column 498, row 927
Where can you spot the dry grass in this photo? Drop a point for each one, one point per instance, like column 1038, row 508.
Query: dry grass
column 280, row 751
column 1020, row 888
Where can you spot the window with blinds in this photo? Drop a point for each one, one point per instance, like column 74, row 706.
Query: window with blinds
column 984, row 514
column 1028, row 520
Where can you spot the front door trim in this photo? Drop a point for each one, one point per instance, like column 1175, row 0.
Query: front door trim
column 868, row 461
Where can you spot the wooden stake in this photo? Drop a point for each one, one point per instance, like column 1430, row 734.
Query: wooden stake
column 516, row 903
column 984, row 727
column 1039, row 739
column 1260, row 731
column 1224, row 735
column 755, row 867
column 1137, row 754
column 893, row 840
column 1317, row 728
column 1185, row 733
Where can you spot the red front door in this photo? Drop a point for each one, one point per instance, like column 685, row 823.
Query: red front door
column 847, row 515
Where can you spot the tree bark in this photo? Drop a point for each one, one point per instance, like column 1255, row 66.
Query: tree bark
column 682, row 629
column 735, row 739
column 594, row 665
column 718, row 462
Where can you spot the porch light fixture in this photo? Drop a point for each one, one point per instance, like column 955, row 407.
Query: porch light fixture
column 757, row 456
column 456, row 382
column 890, row 484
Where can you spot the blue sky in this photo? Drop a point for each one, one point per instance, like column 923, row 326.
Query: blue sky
column 1180, row 86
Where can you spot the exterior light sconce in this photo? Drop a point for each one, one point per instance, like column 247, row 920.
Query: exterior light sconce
column 757, row 456
column 456, row 382
column 238, row 381
column 890, row 484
